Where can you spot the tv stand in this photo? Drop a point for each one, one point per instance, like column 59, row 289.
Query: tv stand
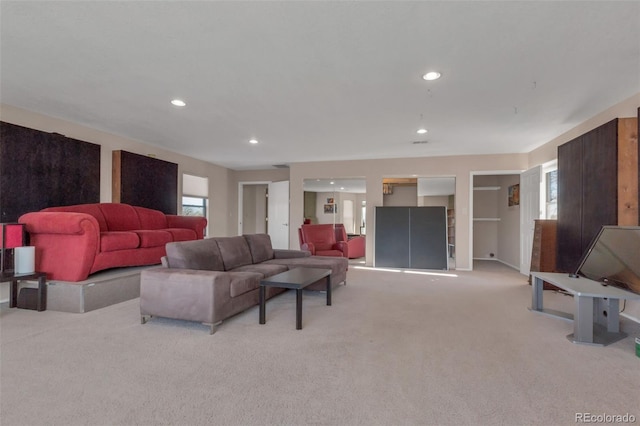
column 591, row 299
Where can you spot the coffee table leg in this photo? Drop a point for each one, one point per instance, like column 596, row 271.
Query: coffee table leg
column 42, row 293
column 13, row 294
column 298, row 309
column 328, row 290
column 262, row 307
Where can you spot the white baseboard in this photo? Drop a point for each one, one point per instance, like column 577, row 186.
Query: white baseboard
column 495, row 259
column 630, row 317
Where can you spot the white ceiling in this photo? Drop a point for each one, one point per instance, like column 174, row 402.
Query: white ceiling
column 321, row 80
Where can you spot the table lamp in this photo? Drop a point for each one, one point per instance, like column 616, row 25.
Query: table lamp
column 11, row 236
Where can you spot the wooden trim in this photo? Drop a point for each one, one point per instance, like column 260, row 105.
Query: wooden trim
column 116, row 176
column 628, row 171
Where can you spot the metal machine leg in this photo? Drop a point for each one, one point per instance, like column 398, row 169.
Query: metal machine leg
column 536, row 294
column 583, row 319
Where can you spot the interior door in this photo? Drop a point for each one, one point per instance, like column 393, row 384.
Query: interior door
column 529, row 211
column 278, row 214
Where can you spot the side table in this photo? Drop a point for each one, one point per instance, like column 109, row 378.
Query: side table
column 13, row 289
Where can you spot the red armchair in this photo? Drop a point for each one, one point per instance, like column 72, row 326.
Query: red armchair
column 357, row 245
column 320, row 240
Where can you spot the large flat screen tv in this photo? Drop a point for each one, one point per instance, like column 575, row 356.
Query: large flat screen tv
column 614, row 258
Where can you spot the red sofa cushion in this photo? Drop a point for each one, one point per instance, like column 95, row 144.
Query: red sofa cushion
column 153, row 237
column 119, row 240
column 151, row 219
column 120, row 217
column 182, row 234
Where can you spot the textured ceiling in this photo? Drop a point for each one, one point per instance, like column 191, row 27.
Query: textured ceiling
column 321, row 80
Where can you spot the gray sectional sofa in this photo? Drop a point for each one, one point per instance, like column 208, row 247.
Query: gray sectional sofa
column 213, row 279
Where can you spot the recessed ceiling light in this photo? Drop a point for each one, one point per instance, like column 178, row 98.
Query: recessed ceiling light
column 178, row 103
column 253, row 141
column 421, row 131
column 432, row 75
column 342, row 187
column 332, row 182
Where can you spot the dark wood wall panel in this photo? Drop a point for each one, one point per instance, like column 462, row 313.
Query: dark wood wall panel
column 569, row 205
column 40, row 169
column 599, row 181
column 597, row 186
column 144, row 181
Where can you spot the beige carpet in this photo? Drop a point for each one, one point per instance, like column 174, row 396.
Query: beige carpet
column 394, row 349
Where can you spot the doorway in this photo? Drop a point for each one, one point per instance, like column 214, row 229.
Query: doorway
column 495, row 213
column 260, row 201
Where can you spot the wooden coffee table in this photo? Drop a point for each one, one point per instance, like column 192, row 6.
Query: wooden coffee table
column 298, row 279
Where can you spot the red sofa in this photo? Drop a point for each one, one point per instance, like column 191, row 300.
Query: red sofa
column 357, row 244
column 320, row 240
column 73, row 242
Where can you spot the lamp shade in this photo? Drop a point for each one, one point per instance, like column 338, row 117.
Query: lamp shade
column 25, row 259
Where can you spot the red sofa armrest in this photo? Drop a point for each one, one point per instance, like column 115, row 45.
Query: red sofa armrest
column 197, row 223
column 357, row 247
column 308, row 247
column 343, row 247
column 66, row 243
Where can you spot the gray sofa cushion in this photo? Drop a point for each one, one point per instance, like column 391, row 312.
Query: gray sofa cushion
column 260, row 247
column 243, row 283
column 199, row 254
column 234, row 251
column 265, row 269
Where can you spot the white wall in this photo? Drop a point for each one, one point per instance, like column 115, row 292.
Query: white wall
column 509, row 225
column 402, row 195
column 434, row 201
column 321, row 200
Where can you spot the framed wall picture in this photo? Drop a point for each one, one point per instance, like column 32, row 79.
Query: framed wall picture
column 330, row 201
column 330, row 209
column 514, row 195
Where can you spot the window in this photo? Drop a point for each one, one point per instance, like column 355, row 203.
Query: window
column 194, row 206
column 195, row 191
column 347, row 216
column 551, row 199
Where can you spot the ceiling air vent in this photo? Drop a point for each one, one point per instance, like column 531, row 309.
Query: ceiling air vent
column 419, row 142
column 281, row 166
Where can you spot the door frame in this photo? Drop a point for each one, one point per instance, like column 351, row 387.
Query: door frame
column 240, row 198
column 472, row 174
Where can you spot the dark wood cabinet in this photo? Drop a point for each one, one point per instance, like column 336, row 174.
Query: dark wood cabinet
column 543, row 253
column 593, row 179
